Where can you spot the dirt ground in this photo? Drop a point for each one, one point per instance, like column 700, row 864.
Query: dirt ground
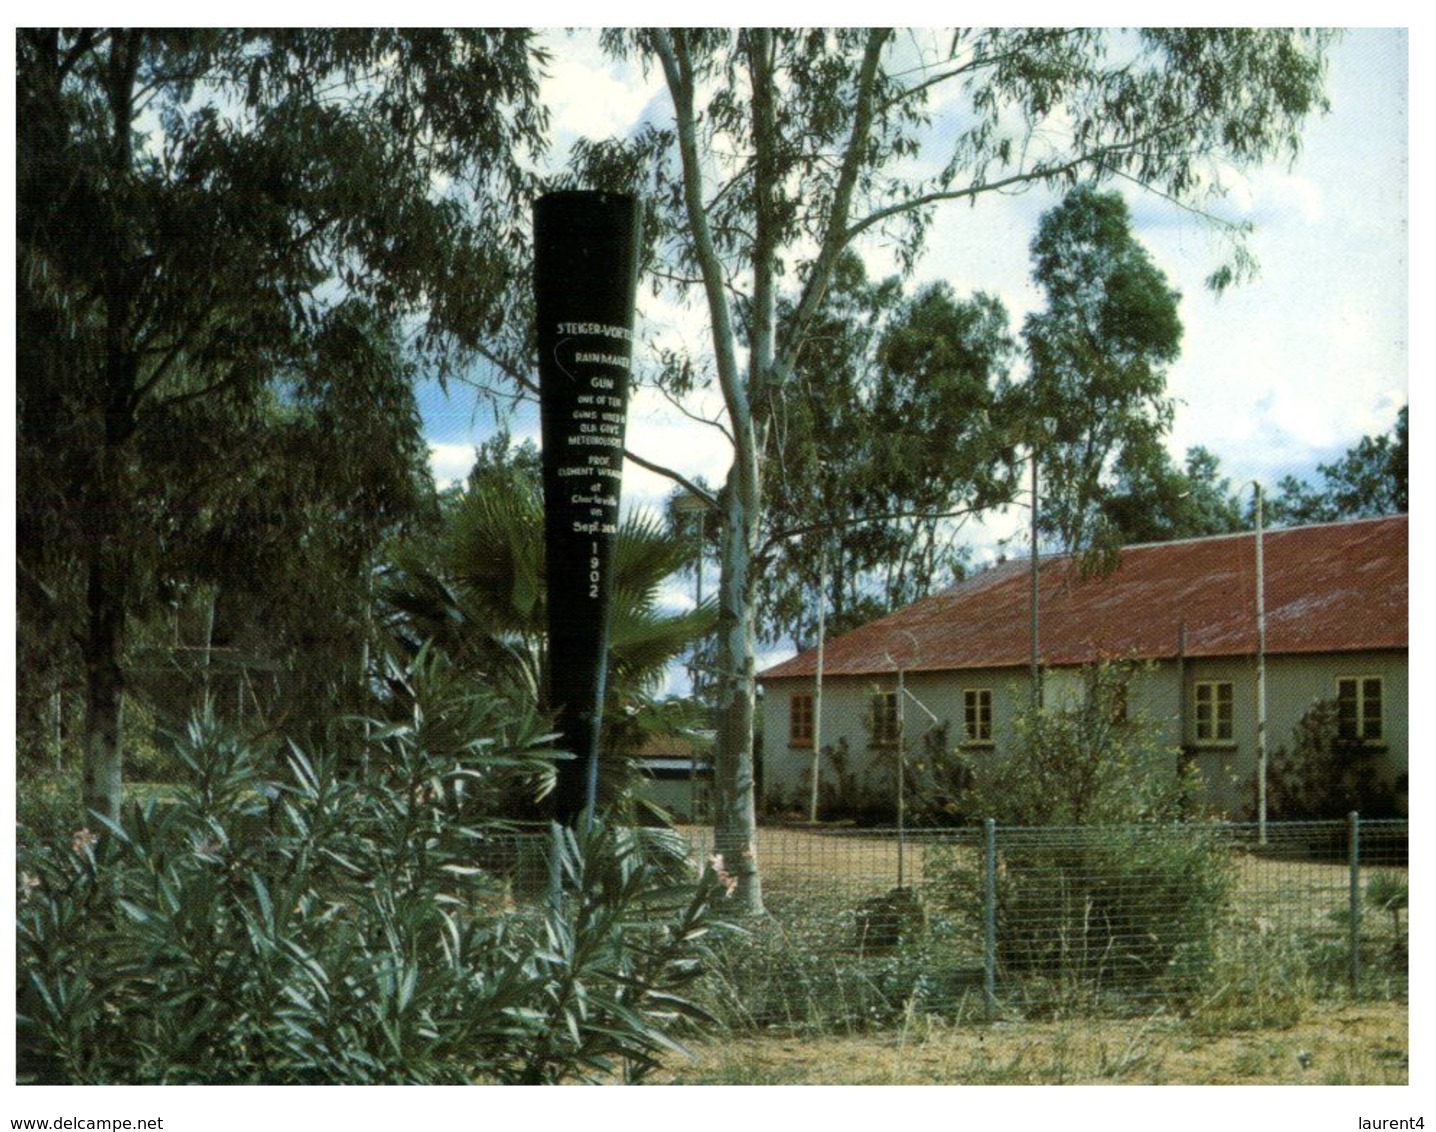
column 1362, row 1044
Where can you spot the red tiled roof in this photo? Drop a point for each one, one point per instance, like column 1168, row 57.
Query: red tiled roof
column 1338, row 587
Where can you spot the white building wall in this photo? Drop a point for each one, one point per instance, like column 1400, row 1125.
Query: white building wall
column 1294, row 684
column 1159, row 692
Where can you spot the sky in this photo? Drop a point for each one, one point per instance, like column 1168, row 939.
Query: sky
column 1276, row 375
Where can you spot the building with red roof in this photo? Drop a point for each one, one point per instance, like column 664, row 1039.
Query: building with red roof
column 1335, row 599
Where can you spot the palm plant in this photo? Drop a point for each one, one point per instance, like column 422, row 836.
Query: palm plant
column 476, row 593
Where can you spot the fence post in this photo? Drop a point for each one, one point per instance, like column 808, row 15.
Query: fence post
column 989, row 919
column 555, row 868
column 1354, row 858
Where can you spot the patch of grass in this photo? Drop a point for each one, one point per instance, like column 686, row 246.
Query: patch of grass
column 1365, row 1045
column 790, row 974
column 1256, row 982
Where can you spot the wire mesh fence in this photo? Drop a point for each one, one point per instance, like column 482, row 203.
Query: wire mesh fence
column 865, row 925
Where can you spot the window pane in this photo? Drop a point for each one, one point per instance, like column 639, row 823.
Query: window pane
column 1371, row 708
column 1213, row 710
column 977, row 714
column 800, row 719
column 1348, row 709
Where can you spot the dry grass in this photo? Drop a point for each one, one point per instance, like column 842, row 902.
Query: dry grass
column 1350, row 1045
column 1271, row 891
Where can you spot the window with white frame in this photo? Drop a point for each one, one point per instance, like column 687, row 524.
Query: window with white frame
column 1358, row 709
column 1212, row 701
column 885, row 718
column 977, row 715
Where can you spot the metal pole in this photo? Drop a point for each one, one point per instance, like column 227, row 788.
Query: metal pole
column 1354, row 862
column 684, row 505
column 1261, row 673
column 694, row 674
column 989, row 919
column 818, row 680
column 901, row 695
column 1036, row 669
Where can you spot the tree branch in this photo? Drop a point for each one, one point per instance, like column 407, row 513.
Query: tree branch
column 785, row 533
column 837, row 236
column 706, row 497
column 678, row 72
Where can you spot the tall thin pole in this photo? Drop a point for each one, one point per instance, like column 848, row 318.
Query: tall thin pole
column 1353, row 852
column 818, row 680
column 692, row 505
column 695, row 679
column 989, row 918
column 1036, row 663
column 1261, row 673
column 695, row 674
column 901, row 785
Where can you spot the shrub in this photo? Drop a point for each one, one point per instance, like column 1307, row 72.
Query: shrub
column 48, row 806
column 1097, row 885
column 886, row 922
column 1387, row 892
column 306, row 927
column 1082, row 764
column 1111, row 907
column 1319, row 776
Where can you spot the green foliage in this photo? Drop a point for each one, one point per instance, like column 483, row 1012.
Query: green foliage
column 881, row 444
column 1152, row 500
column 1256, row 981
column 843, row 793
column 1388, row 893
column 1318, row 775
column 940, row 778
column 788, row 146
column 1098, row 354
column 291, row 925
column 1096, row 885
column 474, row 590
column 1081, row 763
column 48, row 807
column 889, row 921
column 149, row 760
column 233, row 249
column 1082, row 911
column 793, row 971
column 1372, row 479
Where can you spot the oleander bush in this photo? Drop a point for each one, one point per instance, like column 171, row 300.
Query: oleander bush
column 283, row 922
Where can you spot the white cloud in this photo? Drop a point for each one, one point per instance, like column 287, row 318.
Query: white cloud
column 450, row 463
column 590, row 95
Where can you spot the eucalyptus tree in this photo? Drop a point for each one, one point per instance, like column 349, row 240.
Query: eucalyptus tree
column 786, row 147
column 1154, row 500
column 207, row 215
column 1098, row 354
column 880, row 446
column 1372, row 478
